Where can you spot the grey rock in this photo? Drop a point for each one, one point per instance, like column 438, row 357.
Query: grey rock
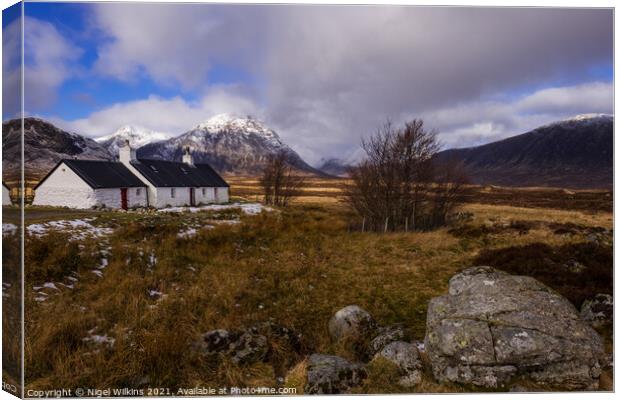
column 493, row 327
column 216, row 341
column 241, row 347
column 407, row 358
column 332, row 375
column 249, row 348
column 598, row 311
column 352, row 325
column 385, row 336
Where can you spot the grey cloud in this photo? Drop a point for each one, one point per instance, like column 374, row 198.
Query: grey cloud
column 324, row 76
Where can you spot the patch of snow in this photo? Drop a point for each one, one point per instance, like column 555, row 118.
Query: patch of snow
column 103, row 264
column 50, row 285
column 8, row 229
column 80, row 228
column 97, row 272
column 100, row 339
column 247, row 208
column 188, row 233
column 583, row 118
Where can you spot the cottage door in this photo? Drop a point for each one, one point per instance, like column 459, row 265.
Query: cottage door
column 124, row 198
column 192, row 197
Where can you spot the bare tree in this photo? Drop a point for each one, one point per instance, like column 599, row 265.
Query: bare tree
column 398, row 186
column 279, row 181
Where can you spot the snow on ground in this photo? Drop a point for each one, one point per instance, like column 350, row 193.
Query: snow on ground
column 81, row 228
column 5, row 288
column 8, row 229
column 247, row 208
column 99, row 339
column 188, row 233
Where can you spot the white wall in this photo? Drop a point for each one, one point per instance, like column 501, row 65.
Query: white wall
column 222, row 195
column 64, row 188
column 6, row 198
column 165, row 199
column 111, row 198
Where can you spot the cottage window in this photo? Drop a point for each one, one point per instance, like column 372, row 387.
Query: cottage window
column 204, row 192
column 138, row 192
column 172, row 193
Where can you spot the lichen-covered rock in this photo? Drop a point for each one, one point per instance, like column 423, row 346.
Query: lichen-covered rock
column 245, row 346
column 385, row 336
column 407, row 358
column 598, row 311
column 248, row 348
column 493, row 327
column 216, row 341
column 351, row 322
column 332, row 375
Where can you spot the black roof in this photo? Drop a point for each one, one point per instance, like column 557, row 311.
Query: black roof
column 100, row 174
column 177, row 174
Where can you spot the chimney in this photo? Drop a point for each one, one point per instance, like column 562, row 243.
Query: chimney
column 126, row 154
column 187, row 156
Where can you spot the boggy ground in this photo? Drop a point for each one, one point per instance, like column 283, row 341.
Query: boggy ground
column 122, row 306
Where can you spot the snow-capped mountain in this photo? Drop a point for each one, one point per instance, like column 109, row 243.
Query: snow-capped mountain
column 574, row 153
column 137, row 136
column 227, row 142
column 582, row 120
column 44, row 146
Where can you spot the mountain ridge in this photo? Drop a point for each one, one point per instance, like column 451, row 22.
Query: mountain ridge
column 573, row 153
column 45, row 145
column 229, row 143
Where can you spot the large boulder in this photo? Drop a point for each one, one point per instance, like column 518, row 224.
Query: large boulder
column 332, row 375
column 598, row 311
column 407, row 358
column 493, row 327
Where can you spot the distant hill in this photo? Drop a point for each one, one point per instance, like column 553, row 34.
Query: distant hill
column 230, row 144
column 334, row 166
column 44, row 146
column 575, row 153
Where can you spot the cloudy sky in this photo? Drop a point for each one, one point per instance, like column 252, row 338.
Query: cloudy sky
column 321, row 76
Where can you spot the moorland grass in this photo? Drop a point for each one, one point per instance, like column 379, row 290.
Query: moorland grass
column 295, row 267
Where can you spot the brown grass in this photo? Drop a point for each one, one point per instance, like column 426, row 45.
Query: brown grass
column 295, row 267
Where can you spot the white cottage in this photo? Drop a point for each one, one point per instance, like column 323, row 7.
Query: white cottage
column 6, row 195
column 87, row 184
column 176, row 183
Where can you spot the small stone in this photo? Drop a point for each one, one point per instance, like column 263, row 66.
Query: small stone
column 385, row 336
column 351, row 323
column 407, row 358
column 332, row 375
column 216, row 341
column 249, row 348
column 598, row 311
